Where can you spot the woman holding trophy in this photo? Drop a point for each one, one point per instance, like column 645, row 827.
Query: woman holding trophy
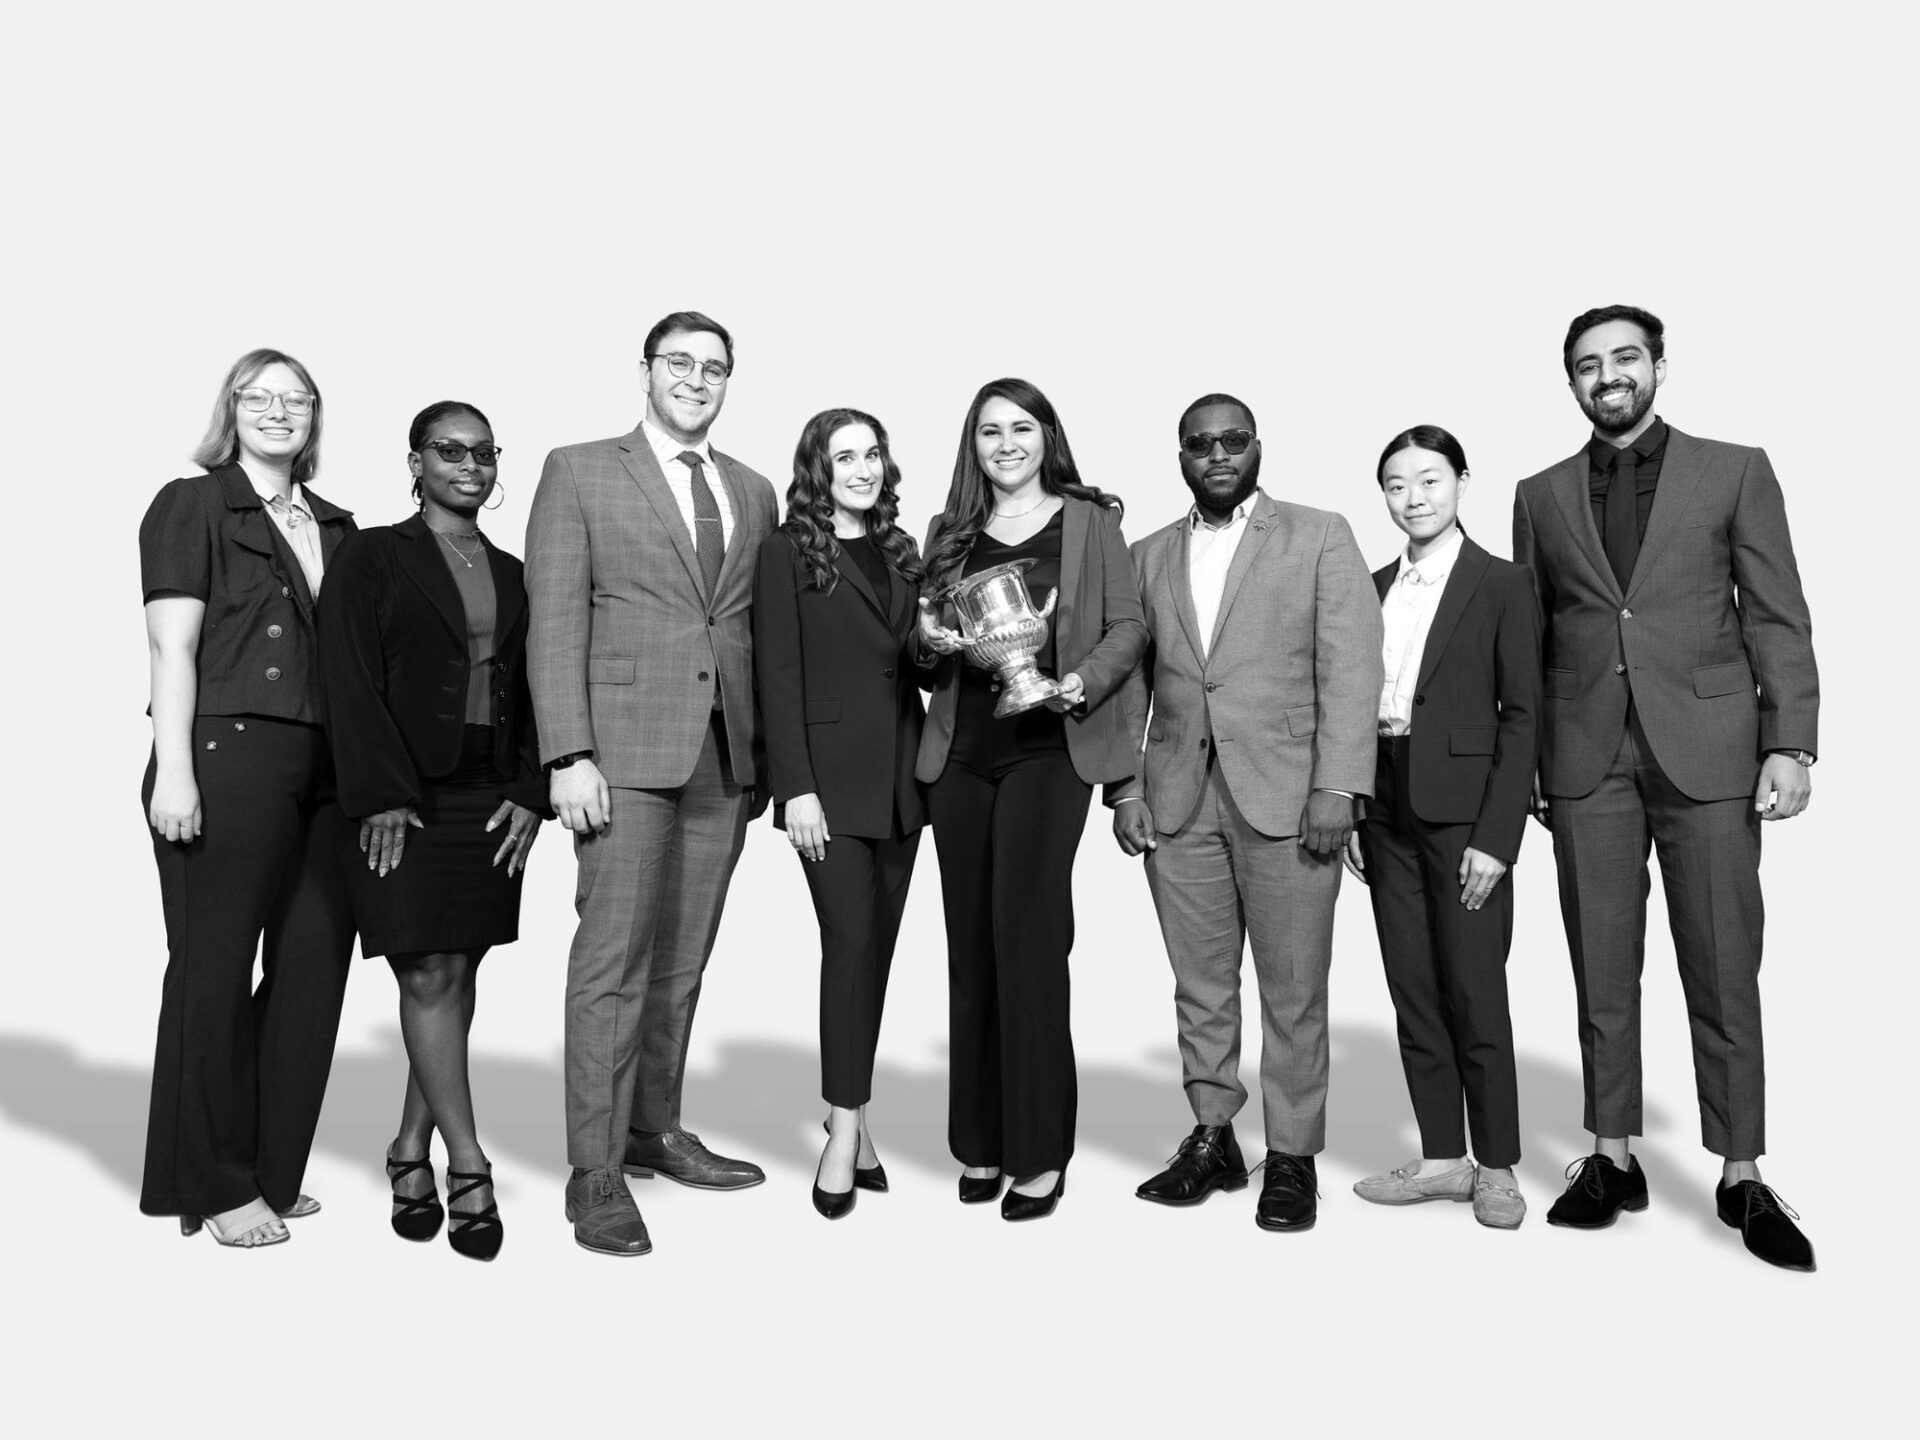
column 833, row 624
column 1012, row 758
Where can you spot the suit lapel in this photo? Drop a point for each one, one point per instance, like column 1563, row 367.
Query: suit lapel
column 1383, row 579
column 1468, row 567
column 256, row 531
column 637, row 455
column 1180, row 582
column 422, row 563
column 851, row 572
column 736, row 561
column 1569, row 486
column 1263, row 522
column 1672, row 498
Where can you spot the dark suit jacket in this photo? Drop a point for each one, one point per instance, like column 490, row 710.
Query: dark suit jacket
column 1711, row 631
column 393, row 650
column 839, row 699
column 1099, row 632
column 626, row 646
column 210, row 537
column 1473, row 748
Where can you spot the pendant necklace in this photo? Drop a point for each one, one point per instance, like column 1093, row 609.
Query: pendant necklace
column 465, row 559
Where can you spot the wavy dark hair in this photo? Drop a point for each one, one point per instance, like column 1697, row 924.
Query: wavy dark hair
column 424, row 422
column 967, row 509
column 221, row 444
column 810, row 504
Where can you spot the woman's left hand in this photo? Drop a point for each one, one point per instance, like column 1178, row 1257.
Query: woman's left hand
column 1479, row 873
column 1073, row 690
column 523, row 828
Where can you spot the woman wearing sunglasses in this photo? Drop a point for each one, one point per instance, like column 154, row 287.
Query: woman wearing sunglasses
column 1009, row 795
column 239, row 793
column 1459, row 707
column 833, row 623
column 424, row 652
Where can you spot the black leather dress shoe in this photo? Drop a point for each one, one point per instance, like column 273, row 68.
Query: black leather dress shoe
column 1207, row 1160
column 1015, row 1206
column 980, row 1189
column 1765, row 1223
column 1290, row 1194
column 604, row 1217
column 1597, row 1191
column 679, row 1155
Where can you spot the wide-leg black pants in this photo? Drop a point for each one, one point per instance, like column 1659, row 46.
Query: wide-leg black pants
column 239, row 1073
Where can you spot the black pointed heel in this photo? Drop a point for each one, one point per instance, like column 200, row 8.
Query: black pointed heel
column 1015, row 1206
column 874, row 1177
column 475, row 1234
column 419, row 1217
column 980, row 1189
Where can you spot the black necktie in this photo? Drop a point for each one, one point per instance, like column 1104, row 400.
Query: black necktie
column 1622, row 537
column 709, row 540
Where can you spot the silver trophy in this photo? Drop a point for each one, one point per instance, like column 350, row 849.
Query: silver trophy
column 1002, row 632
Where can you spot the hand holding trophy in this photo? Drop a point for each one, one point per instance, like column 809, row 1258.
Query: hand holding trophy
column 1002, row 632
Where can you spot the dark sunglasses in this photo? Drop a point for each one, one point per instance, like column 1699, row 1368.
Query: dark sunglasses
column 1234, row 442
column 453, row 452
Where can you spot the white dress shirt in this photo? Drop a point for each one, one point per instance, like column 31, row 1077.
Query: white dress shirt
column 1408, row 615
column 1210, row 552
column 667, row 450
column 296, row 522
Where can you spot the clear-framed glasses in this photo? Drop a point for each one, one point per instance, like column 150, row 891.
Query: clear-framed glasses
column 255, row 397
column 453, row 452
column 680, row 365
column 1234, row 442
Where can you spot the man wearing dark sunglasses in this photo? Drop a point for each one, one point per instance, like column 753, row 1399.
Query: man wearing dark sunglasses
column 640, row 561
column 1264, row 678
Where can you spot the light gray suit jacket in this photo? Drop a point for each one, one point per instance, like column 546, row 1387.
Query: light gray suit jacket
column 1288, row 690
column 1711, row 632
column 625, row 647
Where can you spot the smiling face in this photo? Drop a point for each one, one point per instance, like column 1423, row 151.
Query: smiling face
column 1423, row 493
column 685, row 407
column 1219, row 481
column 271, row 439
column 454, row 490
column 1615, row 376
column 859, row 469
column 1009, row 445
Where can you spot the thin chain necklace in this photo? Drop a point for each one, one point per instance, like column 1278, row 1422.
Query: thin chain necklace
column 1000, row 514
column 465, row 559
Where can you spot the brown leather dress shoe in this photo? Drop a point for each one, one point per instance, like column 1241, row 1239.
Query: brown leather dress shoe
column 679, row 1155
column 604, row 1217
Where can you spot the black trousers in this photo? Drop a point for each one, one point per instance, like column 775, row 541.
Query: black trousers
column 859, row 891
column 1447, row 972
column 239, row 1073
column 1006, row 834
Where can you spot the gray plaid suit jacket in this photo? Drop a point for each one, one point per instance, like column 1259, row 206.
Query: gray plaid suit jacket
column 624, row 647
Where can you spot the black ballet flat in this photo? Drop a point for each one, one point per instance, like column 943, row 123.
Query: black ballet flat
column 475, row 1234
column 419, row 1217
column 979, row 1190
column 1015, row 1206
column 874, row 1177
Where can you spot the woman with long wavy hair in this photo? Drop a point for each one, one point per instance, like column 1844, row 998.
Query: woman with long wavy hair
column 1009, row 797
column 833, row 647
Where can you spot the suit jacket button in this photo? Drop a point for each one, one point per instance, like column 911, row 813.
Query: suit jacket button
column 1626, row 614
column 273, row 672
column 1419, row 699
column 1619, row 669
column 701, row 676
column 1211, row 687
column 286, row 593
column 273, row 632
column 1203, row 742
column 710, row 620
column 887, row 674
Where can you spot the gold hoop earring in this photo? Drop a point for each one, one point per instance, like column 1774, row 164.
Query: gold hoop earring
column 501, row 491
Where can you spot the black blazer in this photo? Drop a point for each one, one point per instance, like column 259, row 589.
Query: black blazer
column 393, row 651
column 839, row 693
column 210, row 537
column 1477, row 702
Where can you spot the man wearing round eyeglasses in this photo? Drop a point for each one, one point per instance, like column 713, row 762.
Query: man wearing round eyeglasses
column 1264, row 678
column 640, row 562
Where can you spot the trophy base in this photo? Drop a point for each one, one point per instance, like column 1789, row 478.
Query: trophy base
column 1022, row 690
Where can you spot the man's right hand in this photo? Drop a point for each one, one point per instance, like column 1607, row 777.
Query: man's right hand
column 1539, row 807
column 1133, row 827
column 579, row 796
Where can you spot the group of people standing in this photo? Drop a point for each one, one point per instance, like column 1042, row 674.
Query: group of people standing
column 675, row 658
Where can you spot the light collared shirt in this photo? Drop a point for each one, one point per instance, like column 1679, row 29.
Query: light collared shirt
column 296, row 522
column 1210, row 552
column 679, row 475
column 1408, row 614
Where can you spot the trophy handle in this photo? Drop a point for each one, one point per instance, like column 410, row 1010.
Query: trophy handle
column 1047, row 609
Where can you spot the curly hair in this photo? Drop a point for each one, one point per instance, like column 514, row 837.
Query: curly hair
column 810, row 504
column 968, row 508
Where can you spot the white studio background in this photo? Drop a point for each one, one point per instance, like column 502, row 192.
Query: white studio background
column 1358, row 218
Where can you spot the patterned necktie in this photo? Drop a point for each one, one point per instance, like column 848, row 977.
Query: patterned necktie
column 1622, row 537
column 709, row 539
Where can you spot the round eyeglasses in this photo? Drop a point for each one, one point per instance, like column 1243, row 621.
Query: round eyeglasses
column 680, row 365
column 296, row 402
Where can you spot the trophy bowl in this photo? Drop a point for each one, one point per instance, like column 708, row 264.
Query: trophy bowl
column 1003, row 632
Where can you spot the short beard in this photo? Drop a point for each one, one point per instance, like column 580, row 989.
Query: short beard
column 1635, row 413
column 1249, row 482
